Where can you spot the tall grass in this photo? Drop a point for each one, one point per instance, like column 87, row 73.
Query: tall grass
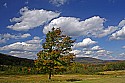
column 117, row 77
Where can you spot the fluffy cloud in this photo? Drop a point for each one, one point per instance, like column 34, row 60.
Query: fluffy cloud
column 121, row 56
column 31, row 19
column 29, row 48
column 118, row 35
column 36, row 40
column 75, row 27
column 107, row 31
column 58, row 2
column 123, row 47
column 103, row 52
column 122, row 23
column 88, row 53
column 25, row 35
column 98, row 52
column 22, row 46
column 86, row 42
column 24, row 54
column 96, row 48
column 83, row 53
column 31, row 45
column 95, row 52
column 76, row 52
column 7, row 36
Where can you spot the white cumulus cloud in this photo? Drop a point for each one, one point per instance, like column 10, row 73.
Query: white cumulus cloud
column 95, row 52
column 121, row 56
column 28, row 48
column 86, row 42
column 118, row 35
column 36, row 40
column 107, row 31
column 122, row 23
column 75, row 51
column 31, row 19
column 96, row 48
column 7, row 36
column 75, row 27
column 23, row 54
column 31, row 45
column 25, row 35
column 103, row 52
column 88, row 53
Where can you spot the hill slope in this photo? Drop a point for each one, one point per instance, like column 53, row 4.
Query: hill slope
column 89, row 60
column 15, row 61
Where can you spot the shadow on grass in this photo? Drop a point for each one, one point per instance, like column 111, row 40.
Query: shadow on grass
column 73, row 80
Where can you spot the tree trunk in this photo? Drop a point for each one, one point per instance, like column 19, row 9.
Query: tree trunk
column 50, row 75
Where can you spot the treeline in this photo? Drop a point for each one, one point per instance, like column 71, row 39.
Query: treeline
column 16, row 70
column 74, row 68
column 78, row 68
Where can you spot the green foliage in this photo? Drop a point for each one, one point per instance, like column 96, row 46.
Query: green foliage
column 73, row 68
column 55, row 54
column 16, row 70
column 120, row 65
column 78, row 68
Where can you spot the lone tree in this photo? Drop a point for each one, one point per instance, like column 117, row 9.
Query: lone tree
column 56, row 52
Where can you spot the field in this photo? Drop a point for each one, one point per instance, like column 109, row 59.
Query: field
column 104, row 77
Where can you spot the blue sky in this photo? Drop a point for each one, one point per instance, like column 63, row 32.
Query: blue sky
column 97, row 25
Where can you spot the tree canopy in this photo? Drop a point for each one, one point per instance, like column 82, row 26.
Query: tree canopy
column 55, row 54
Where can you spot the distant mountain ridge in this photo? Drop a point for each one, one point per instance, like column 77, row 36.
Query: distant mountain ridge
column 90, row 60
column 15, row 61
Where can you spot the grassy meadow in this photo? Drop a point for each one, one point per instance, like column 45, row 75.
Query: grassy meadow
column 104, row 77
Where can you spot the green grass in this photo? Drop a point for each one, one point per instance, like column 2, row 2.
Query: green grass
column 119, row 79
column 108, row 77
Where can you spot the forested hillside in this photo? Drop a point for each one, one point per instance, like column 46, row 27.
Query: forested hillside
column 15, row 61
column 83, row 65
column 90, row 60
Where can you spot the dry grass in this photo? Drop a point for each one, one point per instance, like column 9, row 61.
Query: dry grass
column 120, row 72
column 44, row 78
column 112, row 77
